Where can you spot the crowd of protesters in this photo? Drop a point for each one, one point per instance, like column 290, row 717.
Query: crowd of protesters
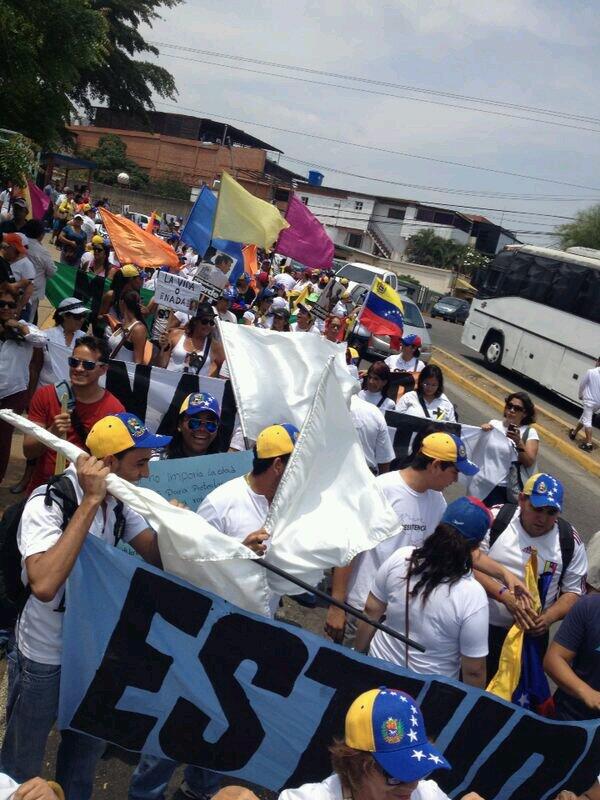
column 453, row 579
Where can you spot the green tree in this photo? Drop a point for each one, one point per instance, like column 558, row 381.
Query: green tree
column 44, row 46
column 17, row 158
column 170, row 186
column 122, row 81
column 584, row 231
column 111, row 158
column 58, row 55
column 422, row 247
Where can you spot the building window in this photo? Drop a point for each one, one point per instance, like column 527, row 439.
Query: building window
column 283, row 195
column 396, row 213
column 358, row 206
column 304, row 200
column 355, row 240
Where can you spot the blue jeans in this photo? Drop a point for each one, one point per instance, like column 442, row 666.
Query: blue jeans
column 152, row 776
column 31, row 711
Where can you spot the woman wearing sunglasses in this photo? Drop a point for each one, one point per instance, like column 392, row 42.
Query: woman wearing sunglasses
column 334, row 329
column 194, row 348
column 129, row 338
column 197, row 428
column 17, row 341
column 517, row 426
column 376, row 759
column 97, row 261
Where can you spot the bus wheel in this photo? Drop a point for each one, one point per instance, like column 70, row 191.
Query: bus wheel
column 492, row 351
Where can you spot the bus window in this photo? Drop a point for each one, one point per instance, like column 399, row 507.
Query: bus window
column 567, row 282
column 589, row 299
column 537, row 276
column 515, row 276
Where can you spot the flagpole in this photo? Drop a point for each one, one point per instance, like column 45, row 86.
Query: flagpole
column 339, row 604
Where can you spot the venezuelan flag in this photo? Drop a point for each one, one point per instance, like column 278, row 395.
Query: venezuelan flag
column 383, row 312
column 521, row 678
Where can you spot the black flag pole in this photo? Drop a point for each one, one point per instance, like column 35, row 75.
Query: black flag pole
column 344, row 606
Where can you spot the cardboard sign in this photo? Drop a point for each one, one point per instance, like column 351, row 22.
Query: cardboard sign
column 177, row 293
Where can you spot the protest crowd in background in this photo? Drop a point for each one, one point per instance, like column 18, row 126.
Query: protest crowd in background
column 456, row 578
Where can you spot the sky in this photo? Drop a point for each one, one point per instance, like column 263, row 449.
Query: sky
column 534, row 53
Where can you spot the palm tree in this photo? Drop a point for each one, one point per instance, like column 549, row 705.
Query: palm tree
column 422, row 247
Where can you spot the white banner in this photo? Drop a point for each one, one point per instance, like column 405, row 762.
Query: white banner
column 177, row 293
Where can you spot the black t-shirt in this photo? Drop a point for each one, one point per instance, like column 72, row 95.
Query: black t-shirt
column 580, row 633
column 6, row 273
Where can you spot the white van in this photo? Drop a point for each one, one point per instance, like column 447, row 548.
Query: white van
column 356, row 273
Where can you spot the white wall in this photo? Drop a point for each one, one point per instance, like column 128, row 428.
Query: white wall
column 339, row 212
column 392, row 229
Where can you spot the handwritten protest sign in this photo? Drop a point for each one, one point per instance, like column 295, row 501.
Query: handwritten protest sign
column 175, row 292
column 191, row 479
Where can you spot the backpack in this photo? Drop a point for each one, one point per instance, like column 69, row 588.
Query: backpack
column 566, row 538
column 13, row 593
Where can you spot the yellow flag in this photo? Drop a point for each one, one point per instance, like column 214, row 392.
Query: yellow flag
column 506, row 680
column 301, row 296
column 241, row 217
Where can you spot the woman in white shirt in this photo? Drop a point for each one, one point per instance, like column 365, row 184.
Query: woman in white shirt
column 516, row 425
column 428, row 399
column 374, row 387
column 17, row 340
column 68, row 317
column 407, row 360
column 430, row 595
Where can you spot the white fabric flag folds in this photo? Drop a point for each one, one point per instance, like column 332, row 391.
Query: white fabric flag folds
column 328, row 507
column 275, row 375
column 493, row 453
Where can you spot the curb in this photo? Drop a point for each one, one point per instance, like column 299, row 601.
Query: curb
column 587, row 463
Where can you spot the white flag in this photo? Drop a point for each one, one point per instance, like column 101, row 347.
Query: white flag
column 493, row 453
column 328, row 507
column 275, row 375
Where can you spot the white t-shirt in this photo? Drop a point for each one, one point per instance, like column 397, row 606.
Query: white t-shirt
column 44, row 267
column 56, row 335
column 372, row 432
column 226, row 316
column 419, row 514
column 86, row 261
column 23, row 268
column 397, row 363
column 513, row 548
column 14, row 361
column 589, row 389
column 8, row 787
column 532, row 436
column 295, row 329
column 452, row 623
column 440, row 408
column 39, row 632
column 331, row 789
column 375, row 398
column 89, row 227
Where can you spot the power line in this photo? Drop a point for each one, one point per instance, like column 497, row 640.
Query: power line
column 381, row 94
column 423, row 202
column 403, row 153
column 371, row 81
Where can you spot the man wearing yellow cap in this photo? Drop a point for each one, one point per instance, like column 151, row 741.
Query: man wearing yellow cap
column 49, row 540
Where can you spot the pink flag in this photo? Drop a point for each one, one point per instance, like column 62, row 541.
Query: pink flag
column 38, row 201
column 305, row 240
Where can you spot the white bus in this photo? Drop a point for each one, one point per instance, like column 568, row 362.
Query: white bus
column 537, row 311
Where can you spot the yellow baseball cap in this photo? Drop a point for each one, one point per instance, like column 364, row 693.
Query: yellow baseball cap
column 276, row 440
column 118, row 432
column 130, row 271
column 97, row 239
column 448, row 447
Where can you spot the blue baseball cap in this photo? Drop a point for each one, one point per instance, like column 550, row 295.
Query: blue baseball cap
column 448, row 447
column 469, row 516
column 544, row 490
column 198, row 402
column 266, row 294
column 388, row 724
column 118, row 432
column 412, row 338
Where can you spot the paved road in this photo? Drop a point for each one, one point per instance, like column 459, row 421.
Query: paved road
column 582, row 499
column 447, row 335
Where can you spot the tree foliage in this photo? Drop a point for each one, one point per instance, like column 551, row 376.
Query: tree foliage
column 427, row 248
column 17, row 159
column 584, row 231
column 56, row 55
column 111, row 158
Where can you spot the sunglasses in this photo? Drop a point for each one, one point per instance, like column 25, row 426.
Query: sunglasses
column 194, row 424
column 73, row 316
column 7, row 304
column 513, row 407
column 87, row 365
column 98, row 249
column 206, row 320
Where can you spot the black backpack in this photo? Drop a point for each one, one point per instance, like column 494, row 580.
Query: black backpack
column 13, row 593
column 566, row 538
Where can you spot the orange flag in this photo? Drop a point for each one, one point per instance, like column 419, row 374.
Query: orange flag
column 136, row 246
column 250, row 261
